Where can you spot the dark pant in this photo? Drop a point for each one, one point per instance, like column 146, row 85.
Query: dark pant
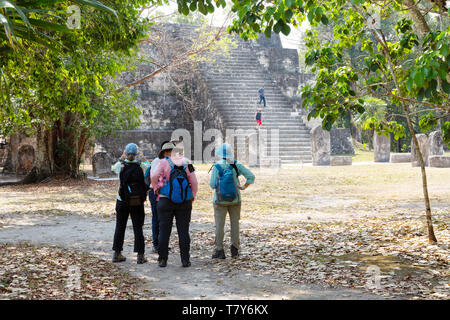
column 137, row 217
column 167, row 210
column 262, row 98
column 155, row 220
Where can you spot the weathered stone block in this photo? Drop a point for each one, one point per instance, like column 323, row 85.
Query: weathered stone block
column 341, row 141
column 25, row 159
column 436, row 143
column 400, row 157
column 341, row 160
column 252, row 150
column 101, row 164
column 320, row 146
column 439, row 161
column 424, row 146
column 381, row 148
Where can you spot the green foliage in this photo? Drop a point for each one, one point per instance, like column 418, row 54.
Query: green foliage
column 446, row 132
column 71, row 91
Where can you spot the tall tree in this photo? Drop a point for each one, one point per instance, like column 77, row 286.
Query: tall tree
column 61, row 81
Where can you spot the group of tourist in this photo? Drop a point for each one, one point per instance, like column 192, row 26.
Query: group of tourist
column 171, row 184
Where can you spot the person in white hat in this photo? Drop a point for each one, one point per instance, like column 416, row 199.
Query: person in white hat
column 223, row 205
column 166, row 151
column 172, row 173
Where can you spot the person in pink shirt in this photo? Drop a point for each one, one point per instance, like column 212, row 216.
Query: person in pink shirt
column 171, row 204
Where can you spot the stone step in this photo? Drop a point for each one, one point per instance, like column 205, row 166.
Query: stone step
column 282, row 132
column 244, row 98
column 249, row 95
column 246, row 67
column 229, row 93
column 260, row 77
column 265, row 118
column 259, row 80
column 249, row 102
column 272, row 124
column 238, row 97
column 239, row 87
column 240, row 112
column 292, row 138
column 251, row 108
column 265, row 121
column 248, row 86
column 243, row 80
column 287, row 154
column 290, row 151
column 237, row 65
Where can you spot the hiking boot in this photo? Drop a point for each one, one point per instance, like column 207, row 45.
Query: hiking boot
column 141, row 259
column 219, row 254
column 118, row 257
column 186, row 263
column 162, row 262
column 234, row 251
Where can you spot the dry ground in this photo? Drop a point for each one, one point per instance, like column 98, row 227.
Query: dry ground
column 331, row 226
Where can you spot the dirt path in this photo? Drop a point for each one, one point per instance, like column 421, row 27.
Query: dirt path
column 94, row 236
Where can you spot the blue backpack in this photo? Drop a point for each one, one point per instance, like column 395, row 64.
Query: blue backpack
column 147, row 177
column 226, row 189
column 178, row 189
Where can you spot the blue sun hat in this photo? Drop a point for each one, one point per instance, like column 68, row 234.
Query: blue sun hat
column 224, row 151
column 131, row 148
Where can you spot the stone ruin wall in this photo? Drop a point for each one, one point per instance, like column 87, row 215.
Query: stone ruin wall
column 19, row 154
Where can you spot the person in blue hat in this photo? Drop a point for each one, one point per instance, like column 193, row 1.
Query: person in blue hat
column 130, row 202
column 227, row 197
column 262, row 97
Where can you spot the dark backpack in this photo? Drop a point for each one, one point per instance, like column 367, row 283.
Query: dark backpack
column 178, row 189
column 133, row 190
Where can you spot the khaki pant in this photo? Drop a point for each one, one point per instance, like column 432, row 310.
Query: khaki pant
column 220, row 213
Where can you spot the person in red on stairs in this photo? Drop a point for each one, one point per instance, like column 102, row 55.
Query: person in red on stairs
column 259, row 118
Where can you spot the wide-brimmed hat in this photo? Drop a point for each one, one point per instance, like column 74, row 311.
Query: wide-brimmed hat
column 131, row 148
column 224, row 151
column 165, row 147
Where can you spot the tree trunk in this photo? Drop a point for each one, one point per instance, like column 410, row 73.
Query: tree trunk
column 431, row 235
column 59, row 150
column 43, row 165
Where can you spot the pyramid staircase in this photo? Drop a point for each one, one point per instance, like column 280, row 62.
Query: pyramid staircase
column 234, row 81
